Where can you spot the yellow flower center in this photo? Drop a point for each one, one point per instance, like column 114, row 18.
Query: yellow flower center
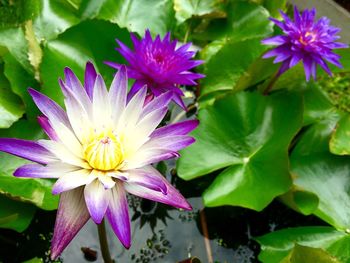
column 103, row 151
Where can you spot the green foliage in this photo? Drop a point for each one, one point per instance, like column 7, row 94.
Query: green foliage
column 244, row 133
column 14, row 214
column 292, row 144
column 306, row 244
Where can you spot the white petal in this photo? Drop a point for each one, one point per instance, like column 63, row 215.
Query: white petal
column 96, row 198
column 61, row 152
column 100, row 104
column 72, row 180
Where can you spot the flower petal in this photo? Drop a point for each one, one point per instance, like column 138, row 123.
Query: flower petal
column 61, row 152
column 173, row 197
column 180, row 128
column 172, row 143
column 73, row 83
column 96, row 198
column 148, row 156
column 26, row 149
column 89, row 80
column 147, row 178
column 102, row 111
column 157, row 103
column 71, row 216
column 117, row 93
column 45, row 124
column 49, row 108
column 52, row 170
column 72, row 180
column 118, row 214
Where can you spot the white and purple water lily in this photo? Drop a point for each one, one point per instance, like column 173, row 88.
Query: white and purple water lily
column 100, row 148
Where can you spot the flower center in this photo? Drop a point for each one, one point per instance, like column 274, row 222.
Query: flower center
column 307, row 38
column 103, row 152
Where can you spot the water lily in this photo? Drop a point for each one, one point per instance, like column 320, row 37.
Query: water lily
column 159, row 64
column 305, row 40
column 99, row 149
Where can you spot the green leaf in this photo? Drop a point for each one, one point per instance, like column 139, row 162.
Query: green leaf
column 36, row 191
column 340, row 141
column 186, row 9
column 15, row 215
column 91, row 40
column 317, row 171
column 13, row 39
column 11, row 108
column 135, row 15
column 229, row 64
column 317, row 105
column 303, row 254
column 20, row 81
column 231, row 57
column 244, row 133
column 50, row 18
column 294, row 242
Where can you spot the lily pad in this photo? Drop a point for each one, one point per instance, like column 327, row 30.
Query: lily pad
column 340, row 141
column 316, row 243
column 247, row 134
column 14, row 214
column 131, row 14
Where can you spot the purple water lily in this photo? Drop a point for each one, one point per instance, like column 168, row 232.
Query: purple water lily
column 160, row 65
column 305, row 40
column 99, row 149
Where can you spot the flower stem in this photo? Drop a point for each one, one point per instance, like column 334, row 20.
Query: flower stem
column 272, row 83
column 104, row 243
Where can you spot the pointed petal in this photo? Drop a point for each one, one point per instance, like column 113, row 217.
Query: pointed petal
column 180, row 128
column 96, row 198
column 132, row 112
column 72, row 180
column 275, row 40
column 52, row 170
column 45, row 124
column 101, row 106
column 147, row 178
column 71, row 216
column 89, row 80
column 118, row 214
column 173, row 197
column 73, row 83
column 172, row 143
column 26, row 149
column 135, row 88
column 139, row 134
column 117, row 93
column 157, row 103
column 148, row 156
column 48, row 107
column 178, row 100
column 61, row 152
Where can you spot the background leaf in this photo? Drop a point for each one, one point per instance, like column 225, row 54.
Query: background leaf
column 15, row 215
column 277, row 245
column 245, row 132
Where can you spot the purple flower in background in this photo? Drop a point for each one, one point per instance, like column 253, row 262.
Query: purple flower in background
column 160, row 65
column 306, row 40
column 101, row 147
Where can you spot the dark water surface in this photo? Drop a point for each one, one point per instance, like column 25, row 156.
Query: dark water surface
column 162, row 234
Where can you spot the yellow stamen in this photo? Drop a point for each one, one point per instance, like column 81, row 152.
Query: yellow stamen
column 103, row 151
